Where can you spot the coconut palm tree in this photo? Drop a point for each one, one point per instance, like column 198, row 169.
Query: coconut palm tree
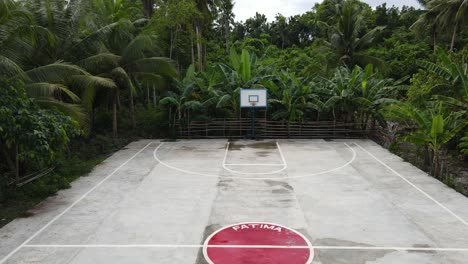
column 427, row 22
column 206, row 9
column 34, row 37
column 451, row 15
column 347, row 37
column 226, row 20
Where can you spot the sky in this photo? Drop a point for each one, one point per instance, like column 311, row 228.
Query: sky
column 247, row 8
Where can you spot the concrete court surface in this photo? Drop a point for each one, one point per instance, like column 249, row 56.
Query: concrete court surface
column 156, row 202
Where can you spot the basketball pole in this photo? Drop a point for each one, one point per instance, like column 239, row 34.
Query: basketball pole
column 252, row 111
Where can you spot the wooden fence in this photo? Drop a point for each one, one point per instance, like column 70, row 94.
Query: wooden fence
column 241, row 128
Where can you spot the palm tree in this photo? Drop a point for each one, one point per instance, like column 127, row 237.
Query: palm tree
column 128, row 56
column 132, row 67
column 206, row 9
column 226, row 20
column 346, row 36
column 185, row 99
column 427, row 21
column 448, row 15
column 451, row 13
column 34, row 39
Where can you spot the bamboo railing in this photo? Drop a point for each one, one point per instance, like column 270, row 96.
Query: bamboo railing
column 241, row 128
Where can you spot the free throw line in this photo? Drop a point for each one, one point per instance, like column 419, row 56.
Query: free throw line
column 251, row 246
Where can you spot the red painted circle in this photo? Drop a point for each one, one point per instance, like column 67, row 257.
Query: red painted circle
column 257, row 243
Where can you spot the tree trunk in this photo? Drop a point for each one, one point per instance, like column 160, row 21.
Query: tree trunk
column 435, row 164
column 227, row 35
column 148, row 100
column 148, row 8
column 199, row 47
column 132, row 110
column 427, row 158
column 114, row 115
column 7, row 154
column 171, row 44
column 155, row 101
column 454, row 36
column 17, row 165
column 193, row 51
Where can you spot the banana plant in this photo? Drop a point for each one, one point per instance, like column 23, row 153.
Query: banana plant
column 242, row 72
column 373, row 94
column 455, row 73
column 432, row 127
column 293, row 95
column 185, row 99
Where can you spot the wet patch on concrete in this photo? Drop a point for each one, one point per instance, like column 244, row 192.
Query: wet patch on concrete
column 236, row 147
column 208, row 231
column 340, row 256
column 187, row 148
column 225, row 184
column 274, row 183
column 284, row 187
column 263, row 145
column 281, row 191
column 263, row 154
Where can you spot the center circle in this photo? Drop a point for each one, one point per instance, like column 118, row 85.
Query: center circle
column 259, row 243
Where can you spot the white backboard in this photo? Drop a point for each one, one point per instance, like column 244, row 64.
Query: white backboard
column 253, row 98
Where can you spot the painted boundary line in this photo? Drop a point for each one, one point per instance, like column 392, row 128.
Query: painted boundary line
column 285, row 165
column 24, row 244
column 252, row 246
column 414, row 186
column 255, row 178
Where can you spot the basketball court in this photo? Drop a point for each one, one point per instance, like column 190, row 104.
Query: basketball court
column 233, row 202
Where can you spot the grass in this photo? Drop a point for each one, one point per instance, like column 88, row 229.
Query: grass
column 83, row 156
column 20, row 200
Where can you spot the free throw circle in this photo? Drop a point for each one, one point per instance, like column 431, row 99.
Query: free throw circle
column 259, row 243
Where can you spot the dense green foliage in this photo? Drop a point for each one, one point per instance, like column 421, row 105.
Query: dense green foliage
column 85, row 69
column 28, row 133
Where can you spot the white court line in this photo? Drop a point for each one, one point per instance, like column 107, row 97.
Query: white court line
column 254, row 178
column 414, row 186
column 253, row 164
column 252, row 246
column 24, row 244
column 226, row 152
column 281, row 154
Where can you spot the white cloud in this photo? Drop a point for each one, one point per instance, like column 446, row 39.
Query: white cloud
column 247, row 8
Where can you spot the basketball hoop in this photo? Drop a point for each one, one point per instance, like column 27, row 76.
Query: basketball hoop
column 253, row 104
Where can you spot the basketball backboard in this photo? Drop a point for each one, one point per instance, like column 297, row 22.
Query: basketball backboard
column 257, row 98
